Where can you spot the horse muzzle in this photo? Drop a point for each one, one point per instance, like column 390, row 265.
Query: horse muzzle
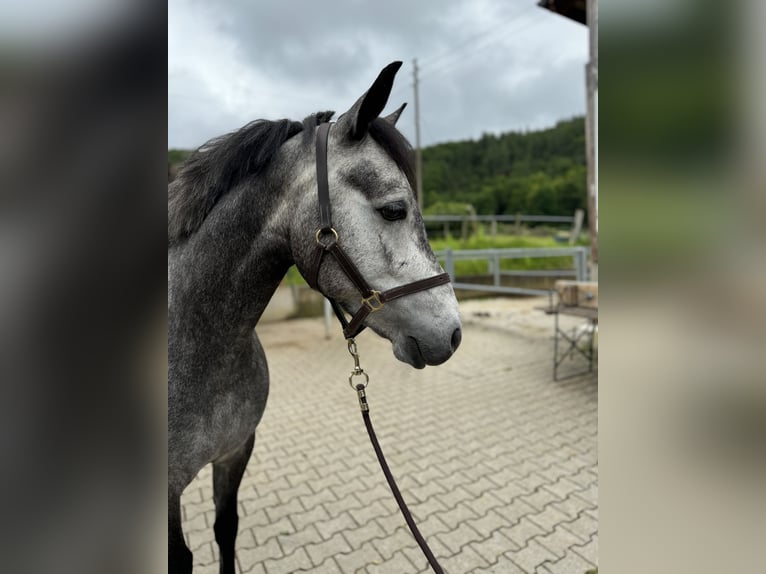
column 421, row 351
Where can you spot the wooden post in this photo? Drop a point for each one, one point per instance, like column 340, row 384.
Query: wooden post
column 591, row 127
column 327, row 319
column 449, row 263
column 576, row 226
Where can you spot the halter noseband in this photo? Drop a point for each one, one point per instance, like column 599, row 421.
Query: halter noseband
column 327, row 241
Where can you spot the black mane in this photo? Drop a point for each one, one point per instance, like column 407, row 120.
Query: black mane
column 218, row 166
column 226, row 161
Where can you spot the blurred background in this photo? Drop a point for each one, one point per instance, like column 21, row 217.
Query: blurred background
column 682, row 419
column 677, row 180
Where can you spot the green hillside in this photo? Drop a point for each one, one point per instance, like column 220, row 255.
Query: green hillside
column 539, row 172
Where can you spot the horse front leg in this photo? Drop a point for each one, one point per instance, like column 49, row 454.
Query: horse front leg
column 227, row 474
column 179, row 555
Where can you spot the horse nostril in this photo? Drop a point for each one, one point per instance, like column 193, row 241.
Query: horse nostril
column 457, row 336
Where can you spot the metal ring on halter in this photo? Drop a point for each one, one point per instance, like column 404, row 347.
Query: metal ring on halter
column 321, row 231
column 356, row 374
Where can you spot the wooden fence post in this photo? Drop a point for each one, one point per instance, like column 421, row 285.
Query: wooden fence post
column 576, row 226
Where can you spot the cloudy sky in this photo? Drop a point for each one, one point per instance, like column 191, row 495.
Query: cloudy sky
column 485, row 65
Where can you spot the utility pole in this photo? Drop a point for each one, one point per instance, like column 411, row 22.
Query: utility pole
column 418, row 159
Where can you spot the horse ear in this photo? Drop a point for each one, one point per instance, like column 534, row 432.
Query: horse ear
column 393, row 117
column 357, row 119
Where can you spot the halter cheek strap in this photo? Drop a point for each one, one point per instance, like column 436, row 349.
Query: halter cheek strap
column 327, row 241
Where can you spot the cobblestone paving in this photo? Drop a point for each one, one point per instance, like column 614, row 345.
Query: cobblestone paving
column 498, row 463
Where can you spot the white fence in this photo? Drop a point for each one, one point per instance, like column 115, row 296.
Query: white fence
column 493, row 257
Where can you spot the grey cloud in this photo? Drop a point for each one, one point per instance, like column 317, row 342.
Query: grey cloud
column 323, row 55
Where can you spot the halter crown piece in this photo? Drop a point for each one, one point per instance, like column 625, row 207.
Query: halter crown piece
column 327, row 241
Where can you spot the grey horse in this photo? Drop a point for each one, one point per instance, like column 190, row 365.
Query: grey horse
column 242, row 210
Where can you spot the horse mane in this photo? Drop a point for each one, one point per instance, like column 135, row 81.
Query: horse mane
column 224, row 162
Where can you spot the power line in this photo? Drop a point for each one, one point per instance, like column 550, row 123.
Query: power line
column 403, row 88
column 479, row 46
column 433, row 60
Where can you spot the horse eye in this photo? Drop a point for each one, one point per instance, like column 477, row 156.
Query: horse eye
column 393, row 211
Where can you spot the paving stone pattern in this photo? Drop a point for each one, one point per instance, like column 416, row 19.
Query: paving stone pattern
column 497, row 462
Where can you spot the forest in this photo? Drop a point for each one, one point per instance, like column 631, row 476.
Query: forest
column 539, row 172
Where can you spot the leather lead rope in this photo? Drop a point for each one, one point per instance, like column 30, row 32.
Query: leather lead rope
column 392, row 483
column 360, row 389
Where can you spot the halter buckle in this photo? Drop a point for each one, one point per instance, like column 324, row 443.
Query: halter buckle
column 373, row 302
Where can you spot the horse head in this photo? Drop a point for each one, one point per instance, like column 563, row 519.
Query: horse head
column 377, row 222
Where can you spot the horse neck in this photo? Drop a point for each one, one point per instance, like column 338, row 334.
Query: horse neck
column 221, row 279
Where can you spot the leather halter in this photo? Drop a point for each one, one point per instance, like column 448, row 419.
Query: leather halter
column 327, row 241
